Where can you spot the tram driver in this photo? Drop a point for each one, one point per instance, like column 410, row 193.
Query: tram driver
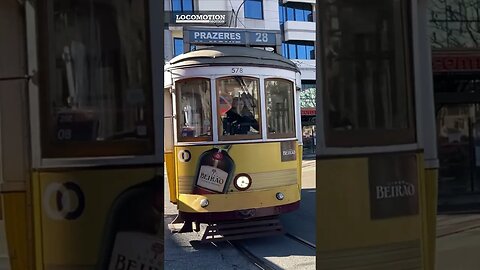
column 239, row 119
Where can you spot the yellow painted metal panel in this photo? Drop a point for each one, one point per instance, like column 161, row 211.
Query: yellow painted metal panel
column 170, row 167
column 343, row 209
column 389, row 256
column 263, row 180
column 16, row 229
column 238, row 201
column 76, row 242
column 253, row 158
column 262, row 161
column 431, row 192
column 37, row 224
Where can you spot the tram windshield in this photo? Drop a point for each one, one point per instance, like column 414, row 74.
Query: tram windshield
column 238, row 107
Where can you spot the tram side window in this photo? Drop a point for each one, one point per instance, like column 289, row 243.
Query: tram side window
column 194, row 109
column 280, row 108
column 238, row 106
column 367, row 71
column 97, row 92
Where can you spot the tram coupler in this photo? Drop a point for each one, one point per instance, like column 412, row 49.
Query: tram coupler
column 179, row 225
column 196, row 226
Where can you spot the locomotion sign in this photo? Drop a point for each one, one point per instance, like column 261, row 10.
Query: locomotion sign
column 227, row 36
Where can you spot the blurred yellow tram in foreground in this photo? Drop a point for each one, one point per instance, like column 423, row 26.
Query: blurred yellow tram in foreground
column 376, row 153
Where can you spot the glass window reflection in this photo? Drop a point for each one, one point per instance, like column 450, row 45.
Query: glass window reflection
column 194, row 109
column 99, row 92
column 238, row 105
column 253, row 9
column 280, row 108
column 177, row 46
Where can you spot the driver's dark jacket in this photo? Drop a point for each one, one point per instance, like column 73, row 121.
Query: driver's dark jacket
column 238, row 124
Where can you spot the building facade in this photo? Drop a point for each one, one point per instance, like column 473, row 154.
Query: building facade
column 455, row 41
column 294, row 19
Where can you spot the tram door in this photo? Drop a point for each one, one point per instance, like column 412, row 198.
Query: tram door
column 376, row 169
column 81, row 164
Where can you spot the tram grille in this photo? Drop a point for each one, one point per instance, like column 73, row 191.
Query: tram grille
column 403, row 255
column 263, row 180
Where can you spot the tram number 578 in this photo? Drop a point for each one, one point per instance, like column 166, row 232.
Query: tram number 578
column 237, row 70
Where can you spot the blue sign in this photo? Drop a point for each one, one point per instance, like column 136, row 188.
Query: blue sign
column 231, row 37
column 216, row 37
column 262, row 38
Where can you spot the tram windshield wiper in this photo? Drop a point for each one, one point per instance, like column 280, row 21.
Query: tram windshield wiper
column 242, row 83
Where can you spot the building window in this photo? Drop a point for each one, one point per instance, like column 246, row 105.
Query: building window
column 194, row 109
column 253, row 9
column 300, row 12
column 182, row 5
column 369, row 97
column 298, row 50
column 177, row 46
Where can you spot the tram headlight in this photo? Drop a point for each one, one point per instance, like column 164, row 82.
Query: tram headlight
column 242, row 181
column 280, row 196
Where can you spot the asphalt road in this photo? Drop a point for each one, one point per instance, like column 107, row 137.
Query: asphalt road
column 282, row 251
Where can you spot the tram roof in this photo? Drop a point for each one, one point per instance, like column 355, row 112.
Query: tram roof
column 231, row 55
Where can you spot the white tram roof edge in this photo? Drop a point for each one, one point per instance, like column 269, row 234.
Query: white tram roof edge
column 230, row 55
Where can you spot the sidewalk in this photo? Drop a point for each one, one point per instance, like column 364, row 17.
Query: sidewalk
column 308, row 156
column 458, row 242
column 451, row 224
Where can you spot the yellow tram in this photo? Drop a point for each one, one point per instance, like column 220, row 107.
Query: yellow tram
column 233, row 143
column 80, row 162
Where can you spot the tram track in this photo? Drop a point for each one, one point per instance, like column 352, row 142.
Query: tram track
column 259, row 262
column 262, row 263
column 301, row 240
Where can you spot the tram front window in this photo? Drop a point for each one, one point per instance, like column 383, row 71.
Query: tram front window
column 194, row 109
column 238, row 108
column 280, row 108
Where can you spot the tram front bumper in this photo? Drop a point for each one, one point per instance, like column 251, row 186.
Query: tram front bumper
column 238, row 204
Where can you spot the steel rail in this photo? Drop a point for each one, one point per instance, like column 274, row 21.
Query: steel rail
column 257, row 261
column 301, row 240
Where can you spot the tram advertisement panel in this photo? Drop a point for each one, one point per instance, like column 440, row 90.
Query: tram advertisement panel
column 236, row 167
column 93, row 218
column 393, row 182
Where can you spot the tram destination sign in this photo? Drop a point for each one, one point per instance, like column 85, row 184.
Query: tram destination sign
column 227, row 36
